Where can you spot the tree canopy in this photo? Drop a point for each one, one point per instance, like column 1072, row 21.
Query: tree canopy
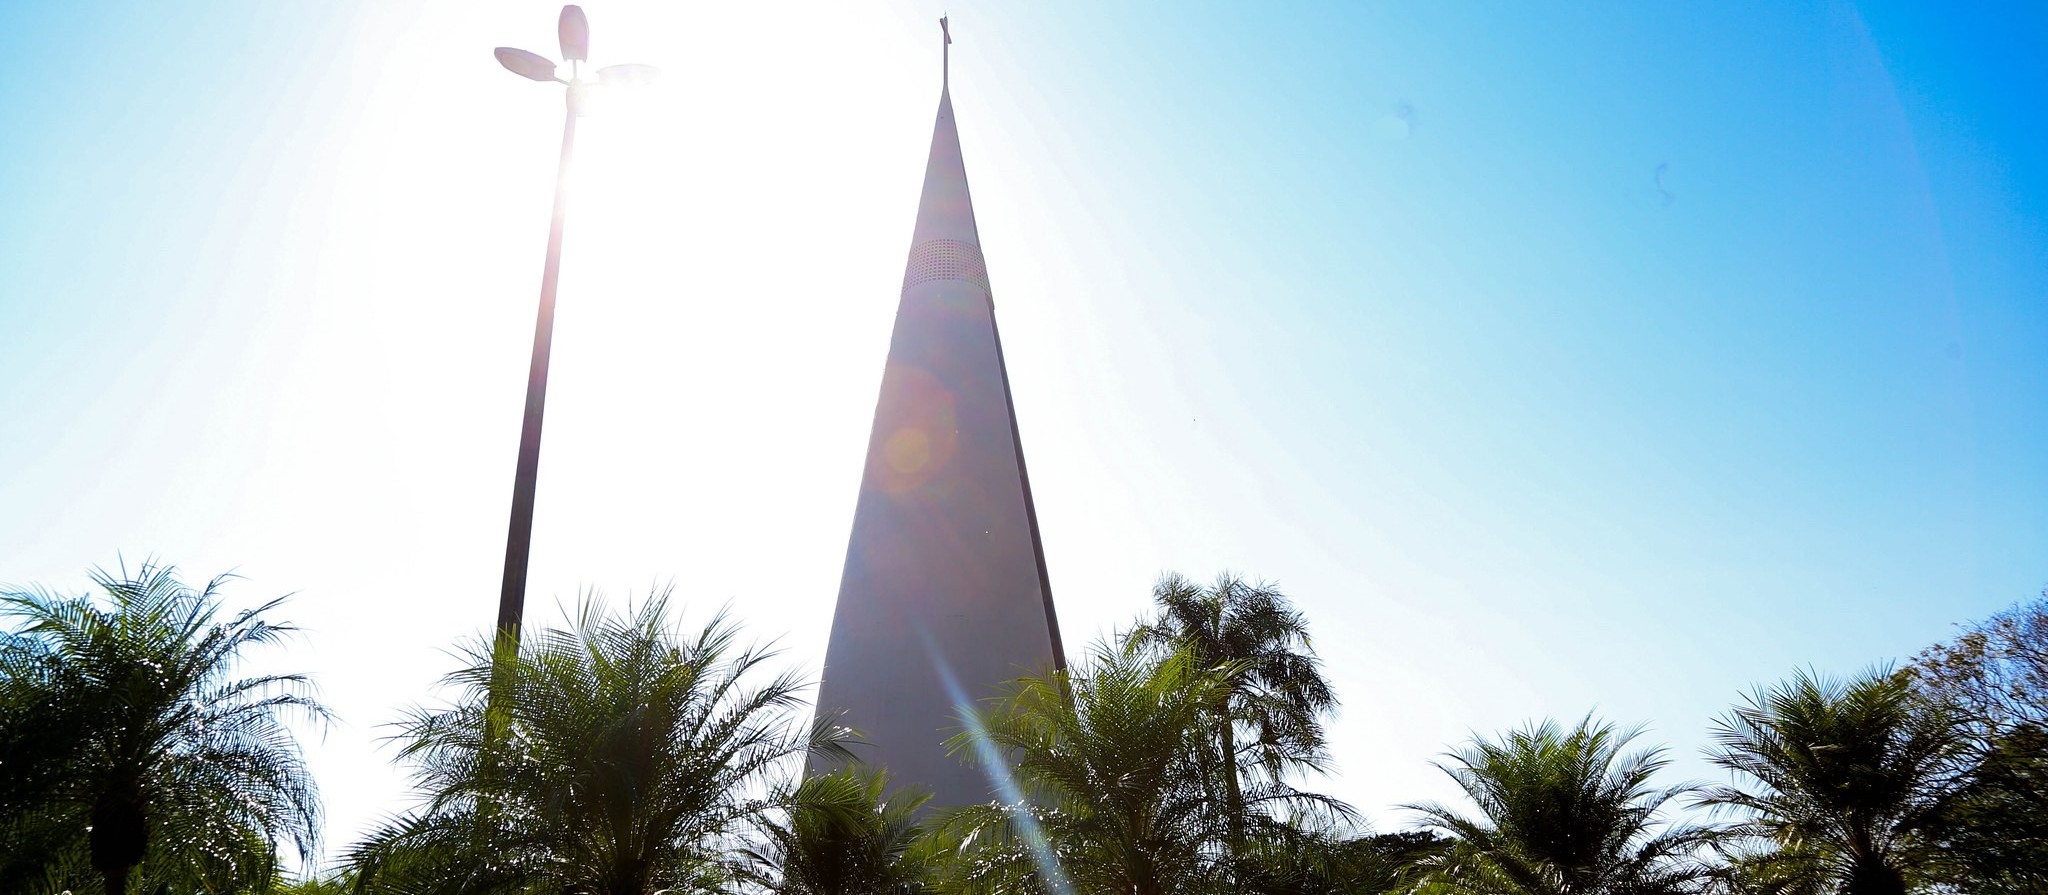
column 614, row 756
column 134, row 754
column 620, row 753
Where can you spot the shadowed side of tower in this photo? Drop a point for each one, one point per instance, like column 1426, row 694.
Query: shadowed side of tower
column 944, row 595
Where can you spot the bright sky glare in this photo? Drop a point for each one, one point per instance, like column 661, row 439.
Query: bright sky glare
column 1614, row 359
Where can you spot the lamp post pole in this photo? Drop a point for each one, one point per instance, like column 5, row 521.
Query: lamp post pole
column 574, row 31
column 519, row 540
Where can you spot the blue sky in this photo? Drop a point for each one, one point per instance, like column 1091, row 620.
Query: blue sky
column 1610, row 359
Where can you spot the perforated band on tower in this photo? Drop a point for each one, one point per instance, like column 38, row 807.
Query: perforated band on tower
column 945, row 259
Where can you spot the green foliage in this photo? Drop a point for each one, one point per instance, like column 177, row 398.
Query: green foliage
column 1276, row 699
column 134, row 758
column 1391, row 862
column 1267, row 720
column 1843, row 782
column 842, row 834
column 1562, row 812
column 315, row 884
column 1283, row 859
column 1780, row 871
column 615, row 757
column 621, row 756
column 1995, row 674
column 1113, row 767
column 1993, row 833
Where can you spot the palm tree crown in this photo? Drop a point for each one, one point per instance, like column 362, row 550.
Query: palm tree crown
column 1267, row 720
column 1842, row 779
column 145, row 749
column 620, row 761
column 1112, row 792
column 842, row 833
column 1562, row 812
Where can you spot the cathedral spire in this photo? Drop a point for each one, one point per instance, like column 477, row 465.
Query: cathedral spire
column 945, row 593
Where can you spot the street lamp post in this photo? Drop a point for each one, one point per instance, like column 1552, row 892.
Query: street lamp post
column 574, row 30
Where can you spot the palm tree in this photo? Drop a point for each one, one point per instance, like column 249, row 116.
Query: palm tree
column 1847, row 779
column 843, row 834
column 144, row 751
column 1108, row 786
column 1268, row 720
column 621, row 759
column 41, row 842
column 1562, row 813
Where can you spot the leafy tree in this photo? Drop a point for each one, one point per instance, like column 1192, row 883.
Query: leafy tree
column 623, row 759
column 1779, row 871
column 1287, row 860
column 1388, row 862
column 1994, row 677
column 1994, row 674
column 1113, row 792
column 1267, row 719
column 843, row 834
column 133, row 752
column 1562, row 812
column 1843, row 783
column 1994, row 831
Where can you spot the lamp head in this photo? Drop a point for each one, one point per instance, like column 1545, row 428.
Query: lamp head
column 575, row 33
column 532, row 66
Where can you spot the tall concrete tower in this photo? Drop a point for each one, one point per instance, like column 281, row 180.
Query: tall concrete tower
column 944, row 595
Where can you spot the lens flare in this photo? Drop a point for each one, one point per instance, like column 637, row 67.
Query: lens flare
column 998, row 770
